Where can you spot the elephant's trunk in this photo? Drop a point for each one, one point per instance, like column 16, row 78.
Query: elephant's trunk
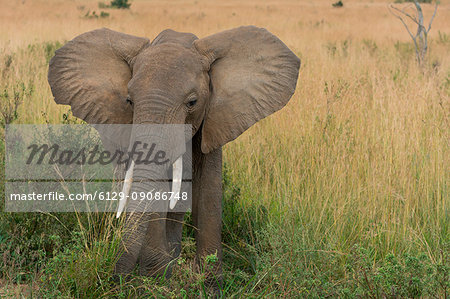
column 143, row 218
column 144, row 183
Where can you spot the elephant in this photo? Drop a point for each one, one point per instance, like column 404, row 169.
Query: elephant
column 221, row 85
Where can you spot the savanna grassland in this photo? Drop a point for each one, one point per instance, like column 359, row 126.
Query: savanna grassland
column 343, row 193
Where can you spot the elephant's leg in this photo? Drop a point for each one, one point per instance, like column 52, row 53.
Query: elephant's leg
column 207, row 213
column 174, row 231
column 154, row 256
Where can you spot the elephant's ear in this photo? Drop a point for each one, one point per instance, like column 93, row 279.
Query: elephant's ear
column 91, row 72
column 252, row 73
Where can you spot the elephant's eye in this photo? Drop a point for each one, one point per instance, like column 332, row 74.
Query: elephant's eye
column 191, row 103
column 129, row 101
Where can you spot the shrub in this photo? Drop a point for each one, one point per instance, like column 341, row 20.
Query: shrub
column 444, row 38
column 50, row 48
column 103, row 5
column 338, row 4
column 10, row 100
column 93, row 15
column 370, row 46
column 121, row 4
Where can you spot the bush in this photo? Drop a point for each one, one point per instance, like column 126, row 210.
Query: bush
column 121, row 4
column 405, row 276
column 338, row 4
column 10, row 100
column 50, row 48
column 93, row 15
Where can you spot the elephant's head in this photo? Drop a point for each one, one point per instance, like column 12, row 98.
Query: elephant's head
column 221, row 84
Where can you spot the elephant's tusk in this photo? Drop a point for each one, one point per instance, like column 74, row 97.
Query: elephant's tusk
column 126, row 189
column 177, row 175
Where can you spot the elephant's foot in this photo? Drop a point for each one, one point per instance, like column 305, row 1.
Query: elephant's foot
column 152, row 263
column 155, row 263
column 127, row 258
column 125, row 265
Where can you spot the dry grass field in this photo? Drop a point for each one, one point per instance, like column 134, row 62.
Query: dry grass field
column 343, row 193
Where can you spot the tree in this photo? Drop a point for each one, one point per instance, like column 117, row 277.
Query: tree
column 420, row 39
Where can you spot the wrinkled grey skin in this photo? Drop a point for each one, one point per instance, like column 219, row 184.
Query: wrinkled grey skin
column 221, row 84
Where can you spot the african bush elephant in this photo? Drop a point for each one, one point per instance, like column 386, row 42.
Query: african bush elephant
column 221, row 85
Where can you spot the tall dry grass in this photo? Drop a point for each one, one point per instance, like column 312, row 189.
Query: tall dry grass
column 360, row 155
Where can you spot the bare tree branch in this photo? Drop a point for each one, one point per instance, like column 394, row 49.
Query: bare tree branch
column 421, row 45
column 432, row 18
column 400, row 18
column 406, row 14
